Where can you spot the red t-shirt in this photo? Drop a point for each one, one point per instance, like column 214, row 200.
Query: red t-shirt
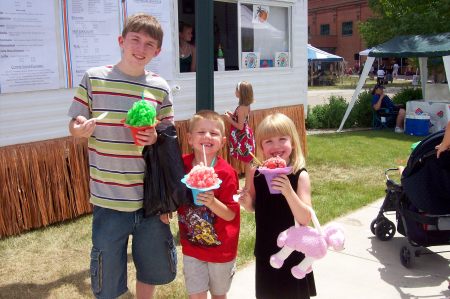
column 204, row 235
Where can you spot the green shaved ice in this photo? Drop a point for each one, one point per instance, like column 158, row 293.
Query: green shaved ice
column 141, row 114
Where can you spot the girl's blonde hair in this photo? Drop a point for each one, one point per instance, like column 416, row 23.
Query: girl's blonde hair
column 278, row 124
column 245, row 91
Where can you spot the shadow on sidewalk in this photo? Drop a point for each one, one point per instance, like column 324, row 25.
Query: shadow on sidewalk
column 429, row 270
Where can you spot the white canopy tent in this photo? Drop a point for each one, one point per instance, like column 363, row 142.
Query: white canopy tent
column 316, row 56
column 365, row 52
column 420, row 46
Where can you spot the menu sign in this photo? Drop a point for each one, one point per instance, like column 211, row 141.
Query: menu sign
column 93, row 29
column 28, row 49
column 160, row 9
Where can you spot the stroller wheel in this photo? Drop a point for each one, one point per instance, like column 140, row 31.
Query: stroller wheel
column 373, row 224
column 405, row 257
column 385, row 230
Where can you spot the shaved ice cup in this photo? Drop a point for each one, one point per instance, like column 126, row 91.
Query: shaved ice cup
column 270, row 173
column 135, row 130
column 196, row 191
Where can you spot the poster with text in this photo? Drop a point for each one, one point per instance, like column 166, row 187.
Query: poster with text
column 28, row 50
column 160, row 9
column 90, row 30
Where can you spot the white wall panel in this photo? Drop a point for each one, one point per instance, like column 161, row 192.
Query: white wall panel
column 41, row 115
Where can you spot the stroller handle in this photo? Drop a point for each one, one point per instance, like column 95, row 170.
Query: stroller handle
column 386, row 172
column 391, row 184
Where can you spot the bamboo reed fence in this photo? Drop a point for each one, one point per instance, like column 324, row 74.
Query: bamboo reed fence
column 43, row 182
column 47, row 182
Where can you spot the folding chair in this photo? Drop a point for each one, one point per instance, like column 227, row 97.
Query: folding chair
column 383, row 118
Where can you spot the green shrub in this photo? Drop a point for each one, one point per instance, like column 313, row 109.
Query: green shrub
column 311, row 121
column 361, row 114
column 328, row 115
column 407, row 94
column 337, row 108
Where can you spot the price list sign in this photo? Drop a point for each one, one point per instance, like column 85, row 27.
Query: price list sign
column 28, row 49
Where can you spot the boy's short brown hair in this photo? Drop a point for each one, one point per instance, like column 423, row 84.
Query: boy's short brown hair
column 209, row 115
column 146, row 23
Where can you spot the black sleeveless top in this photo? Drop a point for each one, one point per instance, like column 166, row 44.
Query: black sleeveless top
column 185, row 64
column 272, row 216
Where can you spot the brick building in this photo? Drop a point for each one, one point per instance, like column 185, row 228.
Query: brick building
column 333, row 26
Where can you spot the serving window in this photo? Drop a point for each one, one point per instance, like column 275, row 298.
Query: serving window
column 264, row 36
column 249, row 35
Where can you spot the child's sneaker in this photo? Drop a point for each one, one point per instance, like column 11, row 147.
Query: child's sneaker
column 398, row 130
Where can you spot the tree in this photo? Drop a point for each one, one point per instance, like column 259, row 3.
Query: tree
column 404, row 17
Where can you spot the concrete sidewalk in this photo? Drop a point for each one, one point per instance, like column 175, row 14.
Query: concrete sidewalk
column 368, row 268
column 322, row 96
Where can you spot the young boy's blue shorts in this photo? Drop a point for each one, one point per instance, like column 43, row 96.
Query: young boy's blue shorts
column 153, row 250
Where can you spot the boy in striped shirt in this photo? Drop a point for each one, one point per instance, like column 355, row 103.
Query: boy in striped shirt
column 117, row 166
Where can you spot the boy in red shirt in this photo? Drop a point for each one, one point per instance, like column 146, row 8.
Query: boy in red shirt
column 209, row 232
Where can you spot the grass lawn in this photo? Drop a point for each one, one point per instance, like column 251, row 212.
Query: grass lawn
column 347, row 172
column 350, row 82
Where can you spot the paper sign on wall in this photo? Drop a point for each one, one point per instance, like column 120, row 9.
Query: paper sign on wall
column 28, row 50
column 260, row 14
column 281, row 59
column 160, row 9
column 250, row 60
column 90, row 36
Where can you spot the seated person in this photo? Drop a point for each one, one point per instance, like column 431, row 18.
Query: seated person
column 380, row 100
column 187, row 50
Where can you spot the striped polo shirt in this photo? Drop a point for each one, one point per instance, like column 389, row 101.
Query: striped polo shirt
column 116, row 164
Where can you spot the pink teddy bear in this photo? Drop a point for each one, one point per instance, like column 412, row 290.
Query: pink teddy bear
column 312, row 242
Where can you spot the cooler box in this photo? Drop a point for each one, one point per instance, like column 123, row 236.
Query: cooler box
column 417, row 125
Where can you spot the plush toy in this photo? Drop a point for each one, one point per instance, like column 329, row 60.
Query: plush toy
column 312, row 242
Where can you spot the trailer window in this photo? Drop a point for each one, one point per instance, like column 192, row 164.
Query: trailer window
column 264, row 34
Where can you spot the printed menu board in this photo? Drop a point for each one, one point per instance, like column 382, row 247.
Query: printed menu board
column 91, row 29
column 160, row 9
column 28, row 48
column 41, row 48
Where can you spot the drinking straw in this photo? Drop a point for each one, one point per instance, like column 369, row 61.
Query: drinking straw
column 256, row 159
column 204, row 155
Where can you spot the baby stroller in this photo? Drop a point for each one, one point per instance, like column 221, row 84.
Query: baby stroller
column 421, row 203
